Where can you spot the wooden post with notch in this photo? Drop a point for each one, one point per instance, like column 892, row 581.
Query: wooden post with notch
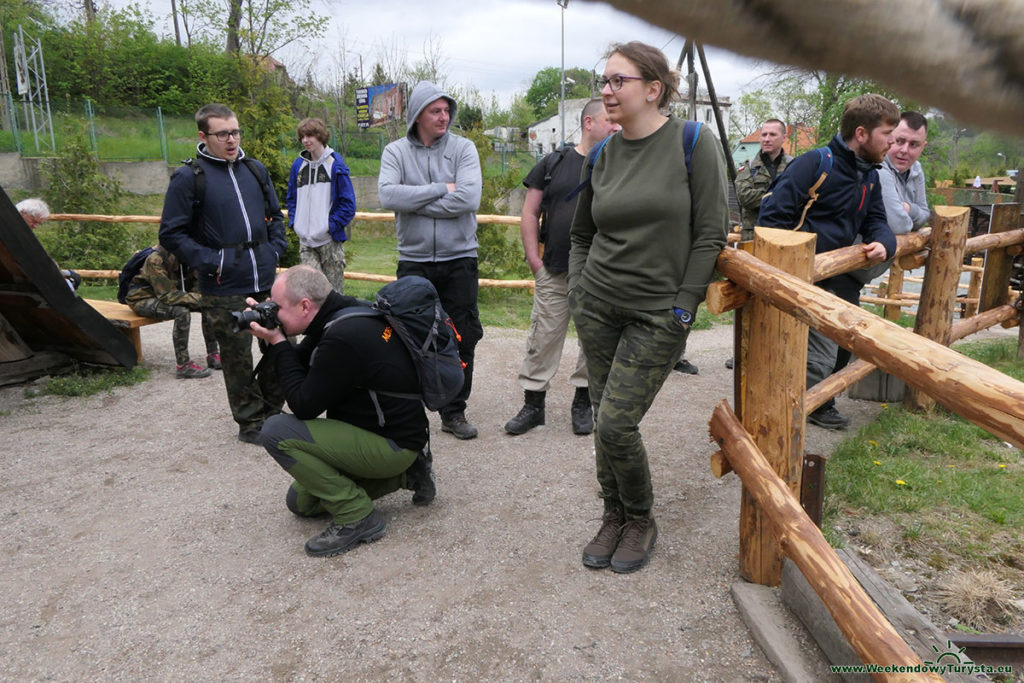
column 775, row 370
column 938, row 292
column 998, row 262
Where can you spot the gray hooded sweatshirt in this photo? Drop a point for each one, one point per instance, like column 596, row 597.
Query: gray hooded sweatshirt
column 432, row 223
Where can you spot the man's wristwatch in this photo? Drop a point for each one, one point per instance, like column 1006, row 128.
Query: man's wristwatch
column 685, row 317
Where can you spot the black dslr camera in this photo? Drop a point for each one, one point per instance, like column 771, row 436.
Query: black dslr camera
column 264, row 313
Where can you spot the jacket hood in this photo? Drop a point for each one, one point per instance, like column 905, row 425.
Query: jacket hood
column 323, row 157
column 423, row 94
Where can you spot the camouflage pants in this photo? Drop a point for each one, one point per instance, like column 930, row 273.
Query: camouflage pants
column 182, row 317
column 252, row 399
column 329, row 259
column 629, row 355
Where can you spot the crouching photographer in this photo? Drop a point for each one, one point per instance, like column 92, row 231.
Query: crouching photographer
column 341, row 452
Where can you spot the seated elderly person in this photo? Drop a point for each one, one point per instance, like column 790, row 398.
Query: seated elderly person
column 34, row 211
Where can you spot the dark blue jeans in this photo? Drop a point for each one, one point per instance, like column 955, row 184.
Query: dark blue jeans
column 457, row 284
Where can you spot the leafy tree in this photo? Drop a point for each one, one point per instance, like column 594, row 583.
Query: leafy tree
column 470, row 117
column 259, row 28
column 74, row 183
column 546, row 90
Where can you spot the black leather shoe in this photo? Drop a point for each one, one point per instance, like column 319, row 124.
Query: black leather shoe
column 582, row 414
column 528, row 417
column 419, row 478
column 337, row 539
column 458, row 426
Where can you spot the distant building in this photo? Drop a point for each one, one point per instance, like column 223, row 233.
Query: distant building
column 799, row 139
column 705, row 111
column 504, row 138
column 546, row 135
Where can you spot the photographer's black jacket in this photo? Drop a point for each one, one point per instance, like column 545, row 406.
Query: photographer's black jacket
column 331, row 372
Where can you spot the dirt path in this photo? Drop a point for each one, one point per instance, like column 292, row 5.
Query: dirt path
column 141, row 540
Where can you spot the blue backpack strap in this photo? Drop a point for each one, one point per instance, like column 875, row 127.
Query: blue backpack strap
column 691, row 130
column 591, row 161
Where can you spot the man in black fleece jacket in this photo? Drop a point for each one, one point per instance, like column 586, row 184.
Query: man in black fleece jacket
column 343, row 461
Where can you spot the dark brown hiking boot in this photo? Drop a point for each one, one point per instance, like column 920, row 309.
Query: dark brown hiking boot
column 598, row 553
column 635, row 545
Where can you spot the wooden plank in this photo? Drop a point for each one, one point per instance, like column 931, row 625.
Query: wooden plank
column 998, row 263
column 12, row 347
column 125, row 319
column 919, row 633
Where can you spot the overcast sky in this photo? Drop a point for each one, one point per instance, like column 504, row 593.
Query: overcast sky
column 494, row 45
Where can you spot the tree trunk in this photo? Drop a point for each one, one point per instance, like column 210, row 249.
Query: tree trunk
column 234, row 21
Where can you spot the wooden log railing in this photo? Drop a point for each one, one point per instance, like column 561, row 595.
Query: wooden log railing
column 865, row 627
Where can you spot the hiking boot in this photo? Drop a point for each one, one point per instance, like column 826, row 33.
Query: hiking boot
column 729, row 364
column 529, row 416
column 340, row 538
column 213, row 361
column 598, row 553
column 192, row 371
column 419, row 478
column 686, row 367
column 827, row 417
column 458, row 426
column 250, row 434
column 635, row 545
column 582, row 412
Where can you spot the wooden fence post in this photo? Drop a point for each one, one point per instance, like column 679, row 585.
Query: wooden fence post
column 938, row 293
column 894, row 290
column 775, row 372
column 974, row 287
column 997, row 261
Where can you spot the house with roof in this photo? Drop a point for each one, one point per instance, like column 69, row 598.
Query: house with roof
column 799, row 139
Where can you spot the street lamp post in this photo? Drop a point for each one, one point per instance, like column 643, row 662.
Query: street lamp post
column 564, row 4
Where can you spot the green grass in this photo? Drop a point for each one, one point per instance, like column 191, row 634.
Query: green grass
column 951, row 489
column 906, row 320
column 87, row 380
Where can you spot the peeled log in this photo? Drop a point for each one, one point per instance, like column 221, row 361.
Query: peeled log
column 966, row 387
column 865, row 627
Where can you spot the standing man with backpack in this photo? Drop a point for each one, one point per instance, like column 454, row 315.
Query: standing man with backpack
column 546, row 219
column 320, row 202
column 222, row 217
column 431, row 179
column 835, row 193
column 372, row 438
column 753, row 180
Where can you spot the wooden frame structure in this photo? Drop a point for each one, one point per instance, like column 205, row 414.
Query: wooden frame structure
column 762, row 441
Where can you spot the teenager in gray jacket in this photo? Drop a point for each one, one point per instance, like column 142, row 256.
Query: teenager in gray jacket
column 431, row 180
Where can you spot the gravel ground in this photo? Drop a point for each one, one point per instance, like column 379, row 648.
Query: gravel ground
column 141, row 540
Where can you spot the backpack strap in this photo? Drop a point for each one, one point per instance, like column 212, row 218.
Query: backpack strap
column 820, row 174
column 691, row 130
column 363, row 312
column 591, row 160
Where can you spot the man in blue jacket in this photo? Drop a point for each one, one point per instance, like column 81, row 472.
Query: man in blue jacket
column 221, row 216
column 838, row 204
column 431, row 179
column 320, row 202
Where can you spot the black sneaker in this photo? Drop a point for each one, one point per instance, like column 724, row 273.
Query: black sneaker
column 458, row 426
column 828, row 418
column 582, row 415
column 598, row 553
column 635, row 545
column 337, row 539
column 528, row 417
column 685, row 367
column 419, row 478
column 730, row 363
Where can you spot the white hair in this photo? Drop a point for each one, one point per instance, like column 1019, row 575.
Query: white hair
column 34, row 207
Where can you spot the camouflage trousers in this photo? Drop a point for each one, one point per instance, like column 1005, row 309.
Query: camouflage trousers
column 329, row 259
column 252, row 399
column 182, row 317
column 629, row 355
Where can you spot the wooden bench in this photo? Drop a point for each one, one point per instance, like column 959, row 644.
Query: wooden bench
column 125, row 319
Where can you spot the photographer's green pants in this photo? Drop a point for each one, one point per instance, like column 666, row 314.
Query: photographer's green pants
column 337, row 467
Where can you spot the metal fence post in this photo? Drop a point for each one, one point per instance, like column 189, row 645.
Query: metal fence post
column 92, row 126
column 163, row 134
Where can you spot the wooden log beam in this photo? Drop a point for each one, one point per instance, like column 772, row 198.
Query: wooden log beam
column 836, row 383
column 865, row 627
column 372, row 217
column 774, row 363
column 1006, row 220
column 1006, row 235
column 966, row 387
column 725, row 296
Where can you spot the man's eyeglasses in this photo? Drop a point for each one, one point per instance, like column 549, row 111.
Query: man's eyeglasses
column 616, row 81
column 223, row 135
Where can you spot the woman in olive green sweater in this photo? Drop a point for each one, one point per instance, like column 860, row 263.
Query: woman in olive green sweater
column 644, row 242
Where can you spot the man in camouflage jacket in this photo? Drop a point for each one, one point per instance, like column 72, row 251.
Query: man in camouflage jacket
column 752, row 181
